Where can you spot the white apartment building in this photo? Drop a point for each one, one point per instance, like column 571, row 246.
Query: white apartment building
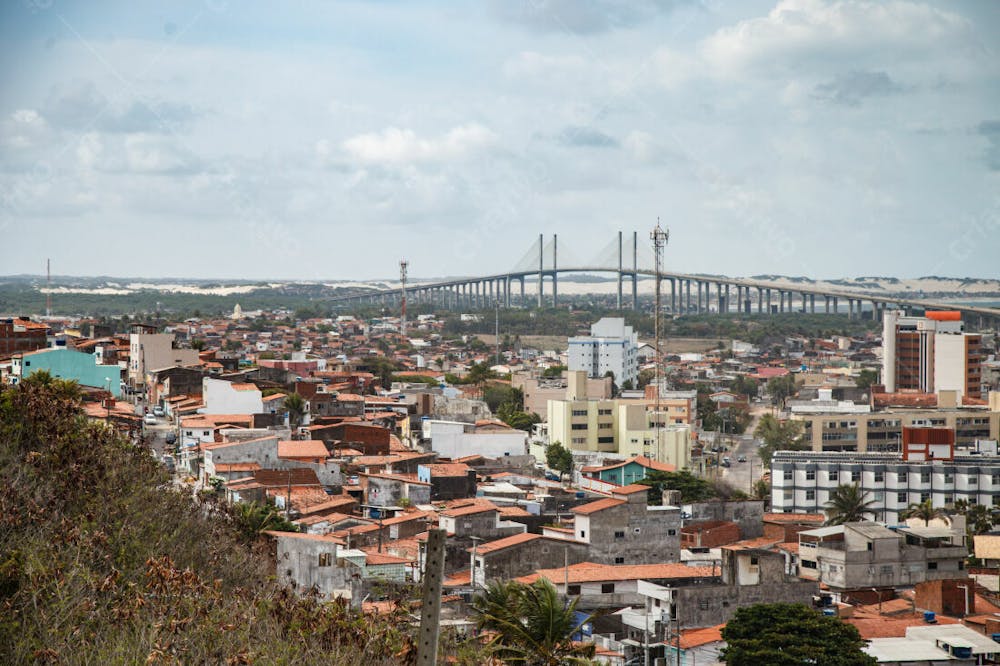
column 802, row 481
column 612, row 346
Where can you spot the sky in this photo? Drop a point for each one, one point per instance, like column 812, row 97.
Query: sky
column 327, row 140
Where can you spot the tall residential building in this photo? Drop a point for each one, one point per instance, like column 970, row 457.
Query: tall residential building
column 930, row 354
column 612, row 346
column 149, row 351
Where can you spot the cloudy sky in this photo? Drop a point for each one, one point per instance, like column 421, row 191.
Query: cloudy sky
column 326, row 140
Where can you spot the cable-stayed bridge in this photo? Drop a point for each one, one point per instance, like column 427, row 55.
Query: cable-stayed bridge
column 629, row 259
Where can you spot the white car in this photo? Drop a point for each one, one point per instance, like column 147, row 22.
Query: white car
column 149, row 419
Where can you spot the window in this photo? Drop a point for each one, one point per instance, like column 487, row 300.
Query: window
column 578, row 426
column 788, row 475
column 619, row 560
column 325, row 559
column 573, row 590
column 995, row 480
column 579, row 412
column 870, row 545
column 583, row 534
column 973, row 480
column 808, row 564
column 671, row 532
column 949, row 477
column 810, row 495
column 834, row 475
column 703, row 604
column 924, row 497
column 879, row 477
column 620, row 534
column 925, row 477
column 607, row 588
column 901, row 498
column 932, row 565
column 810, row 475
column 754, row 560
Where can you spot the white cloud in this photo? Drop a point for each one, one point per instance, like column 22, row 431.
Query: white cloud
column 89, row 149
column 808, row 30
column 401, row 146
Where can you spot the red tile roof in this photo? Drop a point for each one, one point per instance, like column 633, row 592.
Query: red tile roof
column 599, row 505
column 507, row 542
column 590, row 572
column 303, row 448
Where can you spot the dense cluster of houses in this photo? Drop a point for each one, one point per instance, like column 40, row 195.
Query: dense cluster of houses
column 364, row 461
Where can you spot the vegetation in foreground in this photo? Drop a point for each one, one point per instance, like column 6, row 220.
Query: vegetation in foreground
column 101, row 562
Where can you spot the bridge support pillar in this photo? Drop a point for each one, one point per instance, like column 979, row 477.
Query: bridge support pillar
column 687, row 306
column 697, row 286
column 673, row 296
column 760, row 300
column 727, row 298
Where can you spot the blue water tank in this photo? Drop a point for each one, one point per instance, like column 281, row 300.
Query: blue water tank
column 930, row 617
column 995, row 637
column 962, row 652
column 580, row 494
column 830, row 612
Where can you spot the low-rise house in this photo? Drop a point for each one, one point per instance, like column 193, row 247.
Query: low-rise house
column 448, row 480
column 624, row 529
column 605, row 585
column 521, row 554
column 867, row 555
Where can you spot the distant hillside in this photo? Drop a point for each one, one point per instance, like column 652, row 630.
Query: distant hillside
column 113, row 296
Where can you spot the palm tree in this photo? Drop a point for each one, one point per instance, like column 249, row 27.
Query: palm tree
column 925, row 511
column 532, row 626
column 848, row 504
column 252, row 518
column 295, row 405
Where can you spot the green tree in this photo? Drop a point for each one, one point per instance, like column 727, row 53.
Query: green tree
column 531, row 624
column 744, row 385
column 295, row 405
column 791, row 635
column 479, row 374
column 761, row 490
column 865, row 379
column 517, row 419
column 781, row 388
column 253, row 518
column 559, row 458
column 778, row 435
column 553, row 371
column 848, row 504
column 925, row 511
column 198, row 344
column 979, row 519
column 691, row 487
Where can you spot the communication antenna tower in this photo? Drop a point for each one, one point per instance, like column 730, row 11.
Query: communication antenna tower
column 403, row 264
column 659, row 236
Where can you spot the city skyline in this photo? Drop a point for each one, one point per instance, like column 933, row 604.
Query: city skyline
column 218, row 141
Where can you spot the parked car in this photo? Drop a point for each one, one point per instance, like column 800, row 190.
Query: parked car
column 171, row 438
column 726, row 461
column 158, row 411
column 149, row 419
column 741, row 459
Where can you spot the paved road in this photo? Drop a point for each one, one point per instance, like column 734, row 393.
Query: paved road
column 742, row 475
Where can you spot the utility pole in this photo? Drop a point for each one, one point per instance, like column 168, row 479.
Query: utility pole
column 496, row 303
column 403, row 264
column 659, row 236
column 430, row 609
